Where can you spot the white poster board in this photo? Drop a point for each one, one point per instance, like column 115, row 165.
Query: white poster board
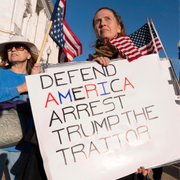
column 171, row 78
column 102, row 123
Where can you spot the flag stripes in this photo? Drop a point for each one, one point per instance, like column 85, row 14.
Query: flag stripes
column 126, row 46
column 143, row 40
column 60, row 32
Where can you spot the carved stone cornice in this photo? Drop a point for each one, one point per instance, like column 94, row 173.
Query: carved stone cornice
column 48, row 5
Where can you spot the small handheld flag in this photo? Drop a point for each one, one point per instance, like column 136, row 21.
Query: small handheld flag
column 142, row 39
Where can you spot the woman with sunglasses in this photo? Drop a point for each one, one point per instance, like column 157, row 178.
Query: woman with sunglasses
column 18, row 59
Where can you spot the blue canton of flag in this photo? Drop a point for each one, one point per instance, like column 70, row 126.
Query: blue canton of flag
column 142, row 39
column 56, row 31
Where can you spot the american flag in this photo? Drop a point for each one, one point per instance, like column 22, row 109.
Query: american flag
column 142, row 39
column 69, row 44
column 126, row 46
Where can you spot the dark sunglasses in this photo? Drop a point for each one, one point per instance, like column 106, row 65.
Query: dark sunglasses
column 18, row 47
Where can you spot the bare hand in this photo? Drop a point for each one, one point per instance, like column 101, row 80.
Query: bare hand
column 23, row 87
column 143, row 171
column 102, row 60
column 36, row 69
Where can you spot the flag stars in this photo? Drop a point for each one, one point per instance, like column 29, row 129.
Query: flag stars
column 57, row 28
column 58, row 35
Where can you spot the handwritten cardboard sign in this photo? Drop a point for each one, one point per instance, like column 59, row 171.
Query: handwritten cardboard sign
column 102, row 123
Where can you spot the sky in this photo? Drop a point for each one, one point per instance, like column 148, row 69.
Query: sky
column 164, row 14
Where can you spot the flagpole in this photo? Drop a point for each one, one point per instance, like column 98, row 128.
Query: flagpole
column 158, row 37
column 152, row 35
column 44, row 42
column 174, row 74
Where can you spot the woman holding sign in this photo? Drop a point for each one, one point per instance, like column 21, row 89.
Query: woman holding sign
column 18, row 58
column 107, row 25
column 112, row 41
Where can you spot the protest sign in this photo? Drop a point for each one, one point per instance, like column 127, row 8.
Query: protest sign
column 102, row 123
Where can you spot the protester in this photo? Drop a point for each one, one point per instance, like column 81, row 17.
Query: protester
column 107, row 25
column 18, row 58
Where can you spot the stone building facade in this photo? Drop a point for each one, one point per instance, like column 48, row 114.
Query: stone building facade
column 29, row 18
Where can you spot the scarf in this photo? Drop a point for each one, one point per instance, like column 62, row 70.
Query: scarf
column 108, row 51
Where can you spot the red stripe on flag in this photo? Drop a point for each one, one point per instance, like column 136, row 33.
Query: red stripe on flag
column 126, row 46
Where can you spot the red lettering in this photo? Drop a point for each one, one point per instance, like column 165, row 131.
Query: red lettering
column 48, row 99
column 93, row 89
column 127, row 83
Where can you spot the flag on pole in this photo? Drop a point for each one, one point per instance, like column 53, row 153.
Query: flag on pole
column 69, row 44
column 142, row 39
column 126, row 46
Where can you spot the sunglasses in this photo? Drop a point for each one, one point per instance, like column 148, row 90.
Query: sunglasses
column 18, row 47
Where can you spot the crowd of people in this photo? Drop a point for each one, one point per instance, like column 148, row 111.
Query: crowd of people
column 18, row 59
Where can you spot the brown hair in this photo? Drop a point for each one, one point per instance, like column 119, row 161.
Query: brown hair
column 119, row 22
column 6, row 64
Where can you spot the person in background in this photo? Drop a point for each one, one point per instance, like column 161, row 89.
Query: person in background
column 18, row 59
column 107, row 25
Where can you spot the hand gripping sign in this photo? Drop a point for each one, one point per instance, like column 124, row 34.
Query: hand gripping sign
column 102, row 123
